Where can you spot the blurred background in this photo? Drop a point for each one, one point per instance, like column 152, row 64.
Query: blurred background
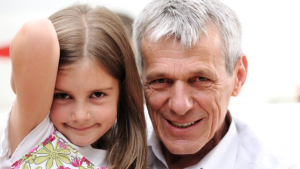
column 271, row 38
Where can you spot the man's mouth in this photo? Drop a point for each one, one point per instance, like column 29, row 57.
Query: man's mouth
column 183, row 125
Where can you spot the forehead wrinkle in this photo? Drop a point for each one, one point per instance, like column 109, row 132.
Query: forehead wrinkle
column 216, row 47
column 179, row 68
column 156, row 70
column 198, row 69
column 170, row 61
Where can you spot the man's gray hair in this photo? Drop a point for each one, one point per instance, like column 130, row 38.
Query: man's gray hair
column 187, row 21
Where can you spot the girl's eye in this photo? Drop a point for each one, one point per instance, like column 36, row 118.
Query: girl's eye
column 97, row 95
column 62, row 96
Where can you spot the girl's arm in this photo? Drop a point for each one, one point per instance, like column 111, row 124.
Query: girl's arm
column 34, row 57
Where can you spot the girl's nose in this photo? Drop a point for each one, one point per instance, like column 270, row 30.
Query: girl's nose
column 81, row 113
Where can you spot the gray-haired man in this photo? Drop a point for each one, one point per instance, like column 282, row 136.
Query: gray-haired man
column 191, row 62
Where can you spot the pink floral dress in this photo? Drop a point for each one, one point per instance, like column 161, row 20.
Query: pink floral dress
column 54, row 153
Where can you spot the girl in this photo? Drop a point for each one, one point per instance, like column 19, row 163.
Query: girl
column 86, row 62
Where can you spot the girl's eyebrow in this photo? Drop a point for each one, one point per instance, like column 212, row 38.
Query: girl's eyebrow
column 99, row 89
column 60, row 90
column 56, row 89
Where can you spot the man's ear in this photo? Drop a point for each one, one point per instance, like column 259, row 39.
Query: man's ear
column 240, row 73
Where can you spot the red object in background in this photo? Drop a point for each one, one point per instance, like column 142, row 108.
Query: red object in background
column 4, row 51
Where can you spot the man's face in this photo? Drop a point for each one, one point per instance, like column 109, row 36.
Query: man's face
column 187, row 91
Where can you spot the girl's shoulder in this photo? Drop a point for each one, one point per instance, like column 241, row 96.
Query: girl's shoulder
column 38, row 134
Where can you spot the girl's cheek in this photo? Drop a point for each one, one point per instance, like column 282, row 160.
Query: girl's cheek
column 56, row 111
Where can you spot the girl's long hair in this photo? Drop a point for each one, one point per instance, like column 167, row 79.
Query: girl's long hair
column 97, row 33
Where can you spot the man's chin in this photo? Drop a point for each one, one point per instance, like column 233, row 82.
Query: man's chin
column 183, row 147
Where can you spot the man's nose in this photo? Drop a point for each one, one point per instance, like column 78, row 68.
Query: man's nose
column 180, row 101
column 81, row 112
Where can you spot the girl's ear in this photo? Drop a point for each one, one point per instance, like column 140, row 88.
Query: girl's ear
column 240, row 73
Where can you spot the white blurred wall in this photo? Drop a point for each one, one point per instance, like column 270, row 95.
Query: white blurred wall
column 271, row 38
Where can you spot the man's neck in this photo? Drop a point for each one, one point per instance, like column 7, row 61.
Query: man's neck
column 182, row 161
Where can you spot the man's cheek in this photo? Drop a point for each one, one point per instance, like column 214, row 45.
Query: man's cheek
column 148, row 92
column 154, row 99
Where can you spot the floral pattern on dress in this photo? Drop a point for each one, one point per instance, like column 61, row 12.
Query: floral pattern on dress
column 54, row 153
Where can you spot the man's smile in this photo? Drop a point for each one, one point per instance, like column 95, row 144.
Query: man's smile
column 183, row 125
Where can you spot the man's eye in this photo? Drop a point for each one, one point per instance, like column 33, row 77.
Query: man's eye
column 201, row 79
column 160, row 83
column 97, row 95
column 62, row 96
column 160, row 80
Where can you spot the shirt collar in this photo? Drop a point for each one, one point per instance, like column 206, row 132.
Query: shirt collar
column 222, row 156
column 155, row 152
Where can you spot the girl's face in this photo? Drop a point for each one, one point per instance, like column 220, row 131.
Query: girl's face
column 85, row 102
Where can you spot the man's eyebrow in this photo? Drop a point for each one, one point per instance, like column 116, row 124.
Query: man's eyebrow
column 155, row 75
column 202, row 71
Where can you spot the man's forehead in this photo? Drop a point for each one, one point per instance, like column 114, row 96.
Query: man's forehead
column 210, row 38
column 166, row 50
column 209, row 31
column 165, row 43
column 210, row 45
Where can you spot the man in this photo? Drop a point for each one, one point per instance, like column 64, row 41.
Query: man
column 191, row 62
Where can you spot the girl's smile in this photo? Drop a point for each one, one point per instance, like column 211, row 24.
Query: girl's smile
column 82, row 129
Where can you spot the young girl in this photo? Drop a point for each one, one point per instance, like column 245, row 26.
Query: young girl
column 86, row 62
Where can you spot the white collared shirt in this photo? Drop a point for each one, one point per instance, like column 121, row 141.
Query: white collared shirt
column 238, row 149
